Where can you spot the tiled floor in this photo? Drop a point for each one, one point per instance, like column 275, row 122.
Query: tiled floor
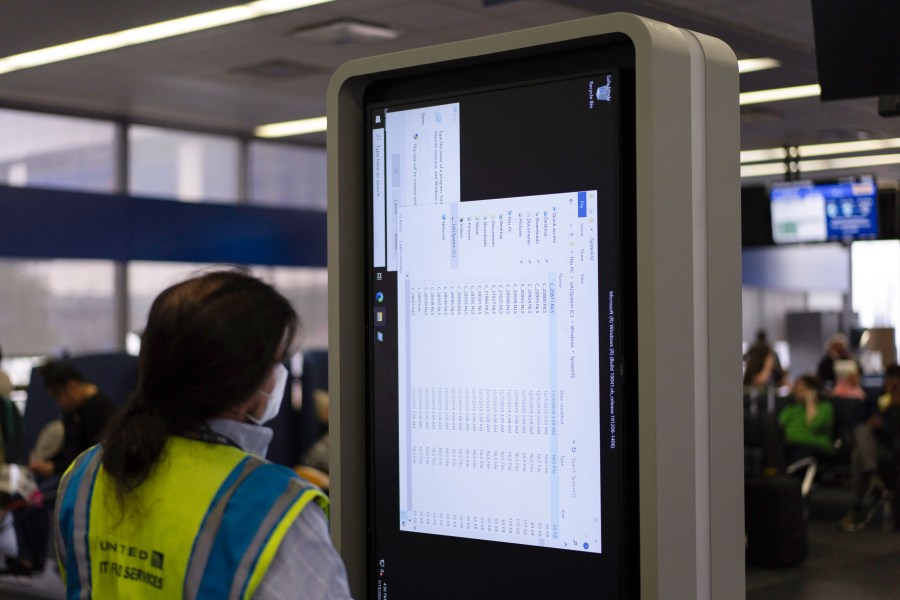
column 46, row 585
column 841, row 566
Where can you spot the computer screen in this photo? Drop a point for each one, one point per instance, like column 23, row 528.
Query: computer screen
column 502, row 329
column 807, row 212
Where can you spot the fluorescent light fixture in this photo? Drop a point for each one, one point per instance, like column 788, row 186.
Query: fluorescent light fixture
column 749, row 65
column 153, row 32
column 825, row 164
column 763, row 170
column 775, row 95
column 848, row 147
column 346, row 31
column 849, row 162
column 751, row 156
column 304, row 126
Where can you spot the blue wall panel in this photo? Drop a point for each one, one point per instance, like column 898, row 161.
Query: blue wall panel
column 177, row 231
column 51, row 224
column 54, row 224
column 800, row 268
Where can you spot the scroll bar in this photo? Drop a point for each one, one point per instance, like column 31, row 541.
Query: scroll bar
column 408, row 386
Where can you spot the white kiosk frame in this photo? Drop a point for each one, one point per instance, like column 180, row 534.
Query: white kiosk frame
column 689, row 309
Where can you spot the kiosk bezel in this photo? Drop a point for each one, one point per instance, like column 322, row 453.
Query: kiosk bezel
column 687, row 210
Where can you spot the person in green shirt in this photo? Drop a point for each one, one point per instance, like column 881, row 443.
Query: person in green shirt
column 808, row 422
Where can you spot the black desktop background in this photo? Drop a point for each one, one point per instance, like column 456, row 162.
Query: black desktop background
column 529, row 139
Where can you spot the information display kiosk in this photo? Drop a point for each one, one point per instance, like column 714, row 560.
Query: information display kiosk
column 512, row 223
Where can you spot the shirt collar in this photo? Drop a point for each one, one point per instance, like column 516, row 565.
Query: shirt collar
column 251, row 438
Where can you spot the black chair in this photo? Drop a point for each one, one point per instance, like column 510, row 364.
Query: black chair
column 848, row 413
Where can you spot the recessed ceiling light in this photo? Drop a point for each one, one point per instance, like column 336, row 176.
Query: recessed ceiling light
column 823, row 164
column 346, row 31
column 751, row 156
column 762, row 170
column 768, row 154
column 848, row 147
column 849, row 162
column 288, row 128
column 150, row 33
column 775, row 95
column 749, row 65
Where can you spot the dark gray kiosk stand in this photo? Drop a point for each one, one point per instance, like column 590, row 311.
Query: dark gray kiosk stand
column 534, row 282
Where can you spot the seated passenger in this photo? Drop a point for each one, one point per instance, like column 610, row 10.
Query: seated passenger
column 877, row 445
column 808, row 422
column 835, row 350
column 21, row 500
column 314, row 465
column 847, row 381
column 86, row 412
column 10, row 421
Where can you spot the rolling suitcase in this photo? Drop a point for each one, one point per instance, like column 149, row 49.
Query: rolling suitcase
column 775, row 521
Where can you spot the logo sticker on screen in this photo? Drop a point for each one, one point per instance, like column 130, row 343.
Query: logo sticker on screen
column 599, row 93
column 604, row 92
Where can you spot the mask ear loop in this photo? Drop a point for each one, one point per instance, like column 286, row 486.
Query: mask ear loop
column 272, row 398
column 250, row 418
column 268, row 397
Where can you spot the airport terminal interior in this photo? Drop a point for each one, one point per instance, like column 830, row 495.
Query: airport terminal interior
column 139, row 159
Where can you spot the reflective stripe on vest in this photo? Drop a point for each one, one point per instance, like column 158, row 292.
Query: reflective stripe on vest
column 72, row 513
column 234, row 536
column 236, row 561
column 203, row 543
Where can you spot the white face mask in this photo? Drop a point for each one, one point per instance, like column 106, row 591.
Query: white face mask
column 273, row 398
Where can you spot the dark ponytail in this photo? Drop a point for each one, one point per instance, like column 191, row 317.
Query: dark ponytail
column 134, row 440
column 209, row 344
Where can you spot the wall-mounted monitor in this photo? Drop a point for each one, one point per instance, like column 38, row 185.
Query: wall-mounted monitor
column 808, row 212
column 857, row 50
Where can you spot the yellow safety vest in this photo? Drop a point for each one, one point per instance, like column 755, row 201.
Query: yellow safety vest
column 205, row 524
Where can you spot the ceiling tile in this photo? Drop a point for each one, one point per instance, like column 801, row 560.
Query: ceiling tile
column 422, row 16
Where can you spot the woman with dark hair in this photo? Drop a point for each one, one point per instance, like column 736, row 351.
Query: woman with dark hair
column 807, row 423
column 177, row 501
column 761, row 364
